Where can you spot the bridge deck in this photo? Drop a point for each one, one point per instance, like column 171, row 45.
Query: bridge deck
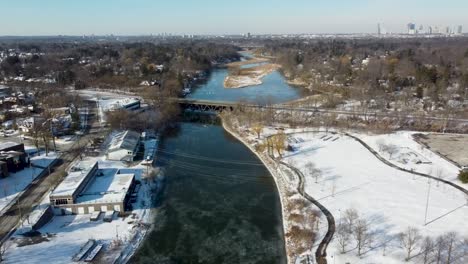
column 212, row 104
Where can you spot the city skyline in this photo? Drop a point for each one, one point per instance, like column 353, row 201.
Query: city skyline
column 205, row 17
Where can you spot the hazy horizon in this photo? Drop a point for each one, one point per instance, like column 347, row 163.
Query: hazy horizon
column 209, row 17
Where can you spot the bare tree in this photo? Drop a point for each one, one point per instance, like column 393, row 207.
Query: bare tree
column 410, row 240
column 391, row 150
column 426, row 248
column 450, row 239
column 258, row 128
column 35, row 132
column 312, row 170
column 465, row 246
column 279, row 142
column 381, row 144
column 440, row 247
column 362, row 235
column 343, row 236
column 350, row 217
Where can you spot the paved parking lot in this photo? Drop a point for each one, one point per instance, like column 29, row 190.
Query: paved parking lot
column 453, row 147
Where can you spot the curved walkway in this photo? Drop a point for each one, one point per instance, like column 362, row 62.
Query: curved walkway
column 321, row 252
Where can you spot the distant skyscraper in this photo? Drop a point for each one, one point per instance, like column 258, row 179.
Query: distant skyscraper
column 430, row 31
column 411, row 28
column 460, row 29
column 379, row 29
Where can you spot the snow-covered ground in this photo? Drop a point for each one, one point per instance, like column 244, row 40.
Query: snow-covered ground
column 411, row 155
column 391, row 200
column 15, row 183
column 63, row 236
column 66, row 140
column 351, row 177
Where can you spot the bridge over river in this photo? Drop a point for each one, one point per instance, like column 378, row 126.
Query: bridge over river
column 219, row 106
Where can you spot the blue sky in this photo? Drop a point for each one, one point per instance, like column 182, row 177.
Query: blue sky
column 135, row 17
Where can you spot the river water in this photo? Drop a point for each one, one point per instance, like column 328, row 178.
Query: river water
column 274, row 89
column 219, row 204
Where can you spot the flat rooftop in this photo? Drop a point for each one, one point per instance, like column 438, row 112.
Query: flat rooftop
column 452, row 146
column 108, row 186
column 124, row 140
column 113, row 104
column 74, row 179
column 8, row 144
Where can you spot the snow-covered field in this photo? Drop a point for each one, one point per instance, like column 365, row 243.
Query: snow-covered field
column 351, row 177
column 15, row 183
column 391, row 200
column 411, row 155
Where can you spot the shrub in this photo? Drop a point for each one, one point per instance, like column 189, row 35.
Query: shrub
column 463, row 176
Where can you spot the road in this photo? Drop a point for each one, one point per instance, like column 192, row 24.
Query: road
column 36, row 191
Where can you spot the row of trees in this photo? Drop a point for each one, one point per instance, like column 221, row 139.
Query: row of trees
column 112, row 63
column 355, row 232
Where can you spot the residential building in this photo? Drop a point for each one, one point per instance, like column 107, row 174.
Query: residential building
column 13, row 158
column 25, row 125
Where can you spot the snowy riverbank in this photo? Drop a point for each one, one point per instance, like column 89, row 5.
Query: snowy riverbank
column 348, row 176
column 286, row 185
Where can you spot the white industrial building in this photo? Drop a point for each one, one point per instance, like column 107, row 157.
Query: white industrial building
column 123, row 146
column 117, row 104
column 89, row 189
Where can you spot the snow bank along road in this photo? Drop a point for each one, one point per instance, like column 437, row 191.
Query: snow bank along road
column 41, row 186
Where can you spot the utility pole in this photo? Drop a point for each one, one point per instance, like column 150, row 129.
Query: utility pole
column 31, row 171
column 427, row 201
column 117, row 232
